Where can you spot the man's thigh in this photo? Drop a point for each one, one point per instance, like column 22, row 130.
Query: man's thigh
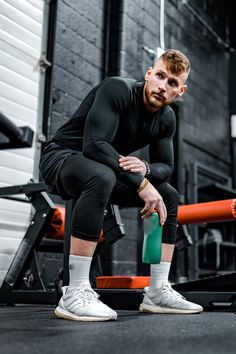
column 77, row 171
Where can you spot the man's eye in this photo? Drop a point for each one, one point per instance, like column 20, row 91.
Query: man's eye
column 173, row 83
column 160, row 76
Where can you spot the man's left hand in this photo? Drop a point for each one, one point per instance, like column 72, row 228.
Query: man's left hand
column 133, row 164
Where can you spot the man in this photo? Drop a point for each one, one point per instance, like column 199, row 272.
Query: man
column 89, row 159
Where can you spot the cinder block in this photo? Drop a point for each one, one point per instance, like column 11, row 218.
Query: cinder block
column 79, row 24
column 94, row 12
column 76, row 44
column 77, row 65
column 122, row 268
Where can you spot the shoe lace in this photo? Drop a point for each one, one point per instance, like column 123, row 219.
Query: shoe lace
column 170, row 293
column 86, row 295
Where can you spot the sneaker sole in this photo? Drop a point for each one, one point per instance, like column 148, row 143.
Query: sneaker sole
column 59, row 312
column 158, row 309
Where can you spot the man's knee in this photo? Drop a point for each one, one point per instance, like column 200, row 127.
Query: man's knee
column 103, row 180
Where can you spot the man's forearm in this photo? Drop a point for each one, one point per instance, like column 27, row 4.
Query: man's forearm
column 101, row 151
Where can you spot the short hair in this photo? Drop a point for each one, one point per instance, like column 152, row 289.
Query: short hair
column 176, row 62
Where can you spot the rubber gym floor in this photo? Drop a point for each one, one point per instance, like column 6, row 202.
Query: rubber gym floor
column 30, row 329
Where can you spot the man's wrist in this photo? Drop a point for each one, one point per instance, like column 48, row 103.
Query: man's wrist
column 142, row 185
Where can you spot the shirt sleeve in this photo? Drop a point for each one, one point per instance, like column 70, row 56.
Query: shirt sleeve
column 102, row 122
column 161, row 151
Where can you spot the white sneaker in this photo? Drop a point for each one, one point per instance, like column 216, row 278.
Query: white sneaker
column 82, row 304
column 167, row 300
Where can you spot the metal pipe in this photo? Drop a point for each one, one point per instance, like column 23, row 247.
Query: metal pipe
column 162, row 24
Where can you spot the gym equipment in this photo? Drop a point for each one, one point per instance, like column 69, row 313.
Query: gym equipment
column 218, row 211
column 56, row 226
column 48, row 231
column 206, row 184
column 122, row 292
column 23, row 283
column 12, row 137
column 122, row 282
column 214, row 292
column 217, row 292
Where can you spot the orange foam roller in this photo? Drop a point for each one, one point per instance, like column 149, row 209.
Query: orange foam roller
column 222, row 210
column 217, row 211
column 56, row 227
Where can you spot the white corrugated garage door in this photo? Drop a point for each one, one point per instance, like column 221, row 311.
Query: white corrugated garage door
column 20, row 85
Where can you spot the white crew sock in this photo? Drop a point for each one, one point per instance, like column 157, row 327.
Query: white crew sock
column 159, row 274
column 79, row 270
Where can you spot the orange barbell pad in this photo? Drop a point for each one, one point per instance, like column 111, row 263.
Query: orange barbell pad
column 222, row 210
column 101, row 237
column 56, row 227
column 122, row 282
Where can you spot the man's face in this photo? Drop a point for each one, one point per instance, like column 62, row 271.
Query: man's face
column 161, row 87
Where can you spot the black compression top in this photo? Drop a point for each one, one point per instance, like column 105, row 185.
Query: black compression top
column 112, row 121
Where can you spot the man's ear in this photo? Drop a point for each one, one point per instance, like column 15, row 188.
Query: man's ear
column 148, row 73
column 182, row 90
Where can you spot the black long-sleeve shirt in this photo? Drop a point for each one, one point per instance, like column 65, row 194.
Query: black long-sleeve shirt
column 112, row 121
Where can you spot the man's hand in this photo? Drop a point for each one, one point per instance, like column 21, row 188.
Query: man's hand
column 151, row 197
column 153, row 201
column 133, row 164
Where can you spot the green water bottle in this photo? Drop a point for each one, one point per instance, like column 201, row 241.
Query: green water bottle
column 152, row 239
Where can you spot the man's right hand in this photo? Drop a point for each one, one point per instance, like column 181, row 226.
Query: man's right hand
column 153, row 201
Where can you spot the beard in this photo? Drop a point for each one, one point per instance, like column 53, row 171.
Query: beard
column 155, row 102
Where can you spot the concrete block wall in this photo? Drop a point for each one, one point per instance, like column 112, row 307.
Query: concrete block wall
column 204, row 114
column 78, row 56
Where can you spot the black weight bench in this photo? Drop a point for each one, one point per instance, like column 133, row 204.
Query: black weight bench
column 23, row 283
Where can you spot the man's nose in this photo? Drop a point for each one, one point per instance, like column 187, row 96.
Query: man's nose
column 162, row 85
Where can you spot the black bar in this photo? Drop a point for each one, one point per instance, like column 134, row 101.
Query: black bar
column 50, row 245
column 226, row 282
column 212, row 299
column 70, row 204
column 32, row 237
column 24, row 141
column 29, row 297
column 131, row 298
column 124, row 299
column 28, row 188
column 9, row 129
column 12, row 137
